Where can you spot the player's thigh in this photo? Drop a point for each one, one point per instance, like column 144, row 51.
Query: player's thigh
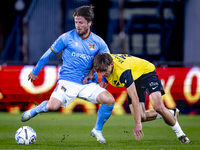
column 95, row 94
column 66, row 92
column 105, row 98
column 156, row 99
column 155, row 90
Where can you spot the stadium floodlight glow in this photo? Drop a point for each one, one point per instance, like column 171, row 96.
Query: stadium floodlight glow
column 19, row 5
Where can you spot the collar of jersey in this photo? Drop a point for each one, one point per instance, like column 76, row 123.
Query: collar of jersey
column 83, row 38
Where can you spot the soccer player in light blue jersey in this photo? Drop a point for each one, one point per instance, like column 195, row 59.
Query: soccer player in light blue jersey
column 78, row 47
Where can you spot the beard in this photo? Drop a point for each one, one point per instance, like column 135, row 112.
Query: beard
column 85, row 30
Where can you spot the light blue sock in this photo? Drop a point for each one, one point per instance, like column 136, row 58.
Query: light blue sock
column 39, row 109
column 104, row 113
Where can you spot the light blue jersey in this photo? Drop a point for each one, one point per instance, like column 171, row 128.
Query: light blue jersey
column 78, row 54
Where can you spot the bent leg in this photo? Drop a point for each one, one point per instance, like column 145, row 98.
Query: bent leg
column 149, row 115
column 45, row 106
column 158, row 105
column 146, row 115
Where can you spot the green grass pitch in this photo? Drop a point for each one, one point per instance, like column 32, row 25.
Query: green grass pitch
column 57, row 131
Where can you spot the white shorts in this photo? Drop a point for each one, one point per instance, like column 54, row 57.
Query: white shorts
column 67, row 91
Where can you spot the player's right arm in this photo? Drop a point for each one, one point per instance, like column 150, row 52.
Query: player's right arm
column 131, row 90
column 127, row 78
column 43, row 60
column 57, row 46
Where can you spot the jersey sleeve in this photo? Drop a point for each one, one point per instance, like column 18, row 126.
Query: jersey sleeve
column 103, row 47
column 60, row 43
column 96, row 79
column 43, row 60
column 126, row 78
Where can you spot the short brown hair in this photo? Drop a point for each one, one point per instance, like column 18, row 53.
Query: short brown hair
column 86, row 12
column 102, row 61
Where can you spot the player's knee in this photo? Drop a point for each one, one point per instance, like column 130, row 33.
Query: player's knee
column 105, row 98
column 159, row 110
column 111, row 100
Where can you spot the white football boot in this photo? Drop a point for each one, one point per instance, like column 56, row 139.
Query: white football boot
column 98, row 135
column 184, row 139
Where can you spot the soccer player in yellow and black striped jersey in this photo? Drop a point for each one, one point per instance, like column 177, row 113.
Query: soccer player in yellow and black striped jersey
column 138, row 76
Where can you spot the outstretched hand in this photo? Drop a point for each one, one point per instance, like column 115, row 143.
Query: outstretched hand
column 86, row 79
column 32, row 77
column 138, row 132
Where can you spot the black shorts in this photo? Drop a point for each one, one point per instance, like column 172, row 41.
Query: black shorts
column 147, row 83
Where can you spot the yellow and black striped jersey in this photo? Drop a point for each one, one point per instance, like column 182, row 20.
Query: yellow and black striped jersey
column 128, row 68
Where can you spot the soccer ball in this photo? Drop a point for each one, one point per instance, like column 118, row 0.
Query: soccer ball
column 25, row 135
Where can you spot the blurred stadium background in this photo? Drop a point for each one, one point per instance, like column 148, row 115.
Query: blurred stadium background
column 165, row 32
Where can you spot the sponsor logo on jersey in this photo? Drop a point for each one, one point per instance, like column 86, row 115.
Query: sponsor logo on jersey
column 84, row 56
column 91, row 46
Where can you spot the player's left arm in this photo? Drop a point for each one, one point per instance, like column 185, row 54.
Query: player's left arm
column 127, row 79
column 103, row 48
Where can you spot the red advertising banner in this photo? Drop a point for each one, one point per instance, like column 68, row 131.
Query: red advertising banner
column 182, row 88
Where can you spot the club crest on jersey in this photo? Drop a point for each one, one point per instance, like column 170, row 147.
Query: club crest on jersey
column 91, row 46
